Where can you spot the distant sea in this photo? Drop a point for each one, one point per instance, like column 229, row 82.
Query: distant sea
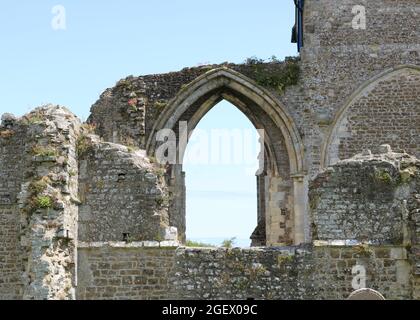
column 239, row 242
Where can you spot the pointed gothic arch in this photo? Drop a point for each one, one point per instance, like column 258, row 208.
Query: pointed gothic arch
column 282, row 190
column 327, row 152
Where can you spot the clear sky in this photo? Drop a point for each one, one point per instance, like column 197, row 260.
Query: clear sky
column 105, row 41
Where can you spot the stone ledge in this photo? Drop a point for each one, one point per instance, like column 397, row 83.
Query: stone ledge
column 115, row 244
column 289, row 251
column 398, row 252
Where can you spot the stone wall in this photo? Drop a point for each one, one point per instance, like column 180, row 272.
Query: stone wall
column 350, row 90
column 340, row 63
column 388, row 113
column 118, row 271
column 127, row 112
column 39, row 169
column 121, row 192
column 12, row 144
column 124, row 272
column 365, row 198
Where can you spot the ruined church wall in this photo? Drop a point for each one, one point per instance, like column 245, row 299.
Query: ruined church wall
column 119, row 271
column 39, row 203
column 370, row 198
column 387, row 114
column 337, row 60
column 121, row 192
column 12, row 144
column 127, row 112
column 365, row 198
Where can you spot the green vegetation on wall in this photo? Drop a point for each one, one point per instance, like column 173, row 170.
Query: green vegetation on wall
column 275, row 78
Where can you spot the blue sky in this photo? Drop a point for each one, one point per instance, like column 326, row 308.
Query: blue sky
column 105, row 41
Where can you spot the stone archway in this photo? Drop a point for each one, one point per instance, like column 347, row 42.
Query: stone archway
column 378, row 101
column 281, row 187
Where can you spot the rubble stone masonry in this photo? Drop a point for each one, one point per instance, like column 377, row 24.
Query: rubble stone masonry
column 339, row 186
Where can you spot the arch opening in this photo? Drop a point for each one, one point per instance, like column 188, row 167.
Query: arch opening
column 281, row 180
column 221, row 163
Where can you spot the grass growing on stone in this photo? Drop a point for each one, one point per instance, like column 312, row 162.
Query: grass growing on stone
column 195, row 244
column 383, row 176
column 37, row 199
column 228, row 243
column 37, row 187
column 407, row 174
column 278, row 80
column 88, row 128
column 284, row 259
column 82, row 145
column 160, row 106
column 33, row 119
column 364, row 250
column 41, row 151
column 43, row 202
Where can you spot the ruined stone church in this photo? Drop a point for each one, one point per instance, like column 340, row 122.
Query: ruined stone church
column 86, row 211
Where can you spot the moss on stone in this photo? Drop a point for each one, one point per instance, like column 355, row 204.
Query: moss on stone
column 125, row 84
column 275, row 79
column 284, row 259
column 32, row 118
column 160, row 105
column 383, row 176
column 39, row 186
column 82, row 145
column 163, row 201
column 44, row 151
column 364, row 250
column 406, row 175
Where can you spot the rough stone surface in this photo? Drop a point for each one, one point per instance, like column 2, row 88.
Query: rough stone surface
column 38, row 200
column 350, row 92
column 365, row 198
column 110, row 272
column 121, row 192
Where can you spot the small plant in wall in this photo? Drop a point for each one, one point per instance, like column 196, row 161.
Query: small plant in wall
column 160, row 105
column 39, row 186
column 83, row 144
column 229, row 243
column 44, row 151
column 163, row 201
column 364, row 250
column 276, row 79
column 88, row 128
column 197, row 244
column 132, row 102
column 38, row 198
column 32, row 118
column 407, row 175
column 284, row 259
column 383, row 176
column 44, row 202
